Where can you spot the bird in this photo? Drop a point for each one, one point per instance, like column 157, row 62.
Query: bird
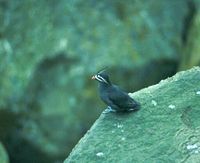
column 112, row 95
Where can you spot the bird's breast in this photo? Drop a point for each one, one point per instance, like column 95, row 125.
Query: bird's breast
column 104, row 93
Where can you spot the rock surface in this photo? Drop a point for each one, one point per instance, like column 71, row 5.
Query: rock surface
column 191, row 49
column 45, row 46
column 3, row 154
column 165, row 129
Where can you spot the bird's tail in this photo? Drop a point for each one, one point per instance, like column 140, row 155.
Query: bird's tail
column 135, row 106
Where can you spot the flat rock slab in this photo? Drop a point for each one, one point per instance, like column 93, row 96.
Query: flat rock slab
column 165, row 129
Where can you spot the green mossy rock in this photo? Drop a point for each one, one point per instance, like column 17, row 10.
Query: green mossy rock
column 45, row 46
column 165, row 129
column 191, row 50
column 3, row 155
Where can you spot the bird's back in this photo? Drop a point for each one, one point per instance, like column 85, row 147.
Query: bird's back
column 122, row 99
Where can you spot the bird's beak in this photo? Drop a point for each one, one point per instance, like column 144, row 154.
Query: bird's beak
column 93, row 77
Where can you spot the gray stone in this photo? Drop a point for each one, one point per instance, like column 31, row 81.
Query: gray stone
column 165, row 129
column 48, row 50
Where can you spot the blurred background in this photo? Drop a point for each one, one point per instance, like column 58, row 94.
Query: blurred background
column 50, row 49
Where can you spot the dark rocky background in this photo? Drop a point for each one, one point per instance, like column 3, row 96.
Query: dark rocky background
column 50, row 49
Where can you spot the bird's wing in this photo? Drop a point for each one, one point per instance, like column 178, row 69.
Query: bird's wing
column 121, row 98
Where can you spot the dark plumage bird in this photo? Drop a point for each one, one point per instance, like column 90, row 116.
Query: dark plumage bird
column 116, row 99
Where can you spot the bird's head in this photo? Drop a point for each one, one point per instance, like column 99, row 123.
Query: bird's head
column 102, row 77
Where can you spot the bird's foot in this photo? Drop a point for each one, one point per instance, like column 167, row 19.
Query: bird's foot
column 108, row 110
